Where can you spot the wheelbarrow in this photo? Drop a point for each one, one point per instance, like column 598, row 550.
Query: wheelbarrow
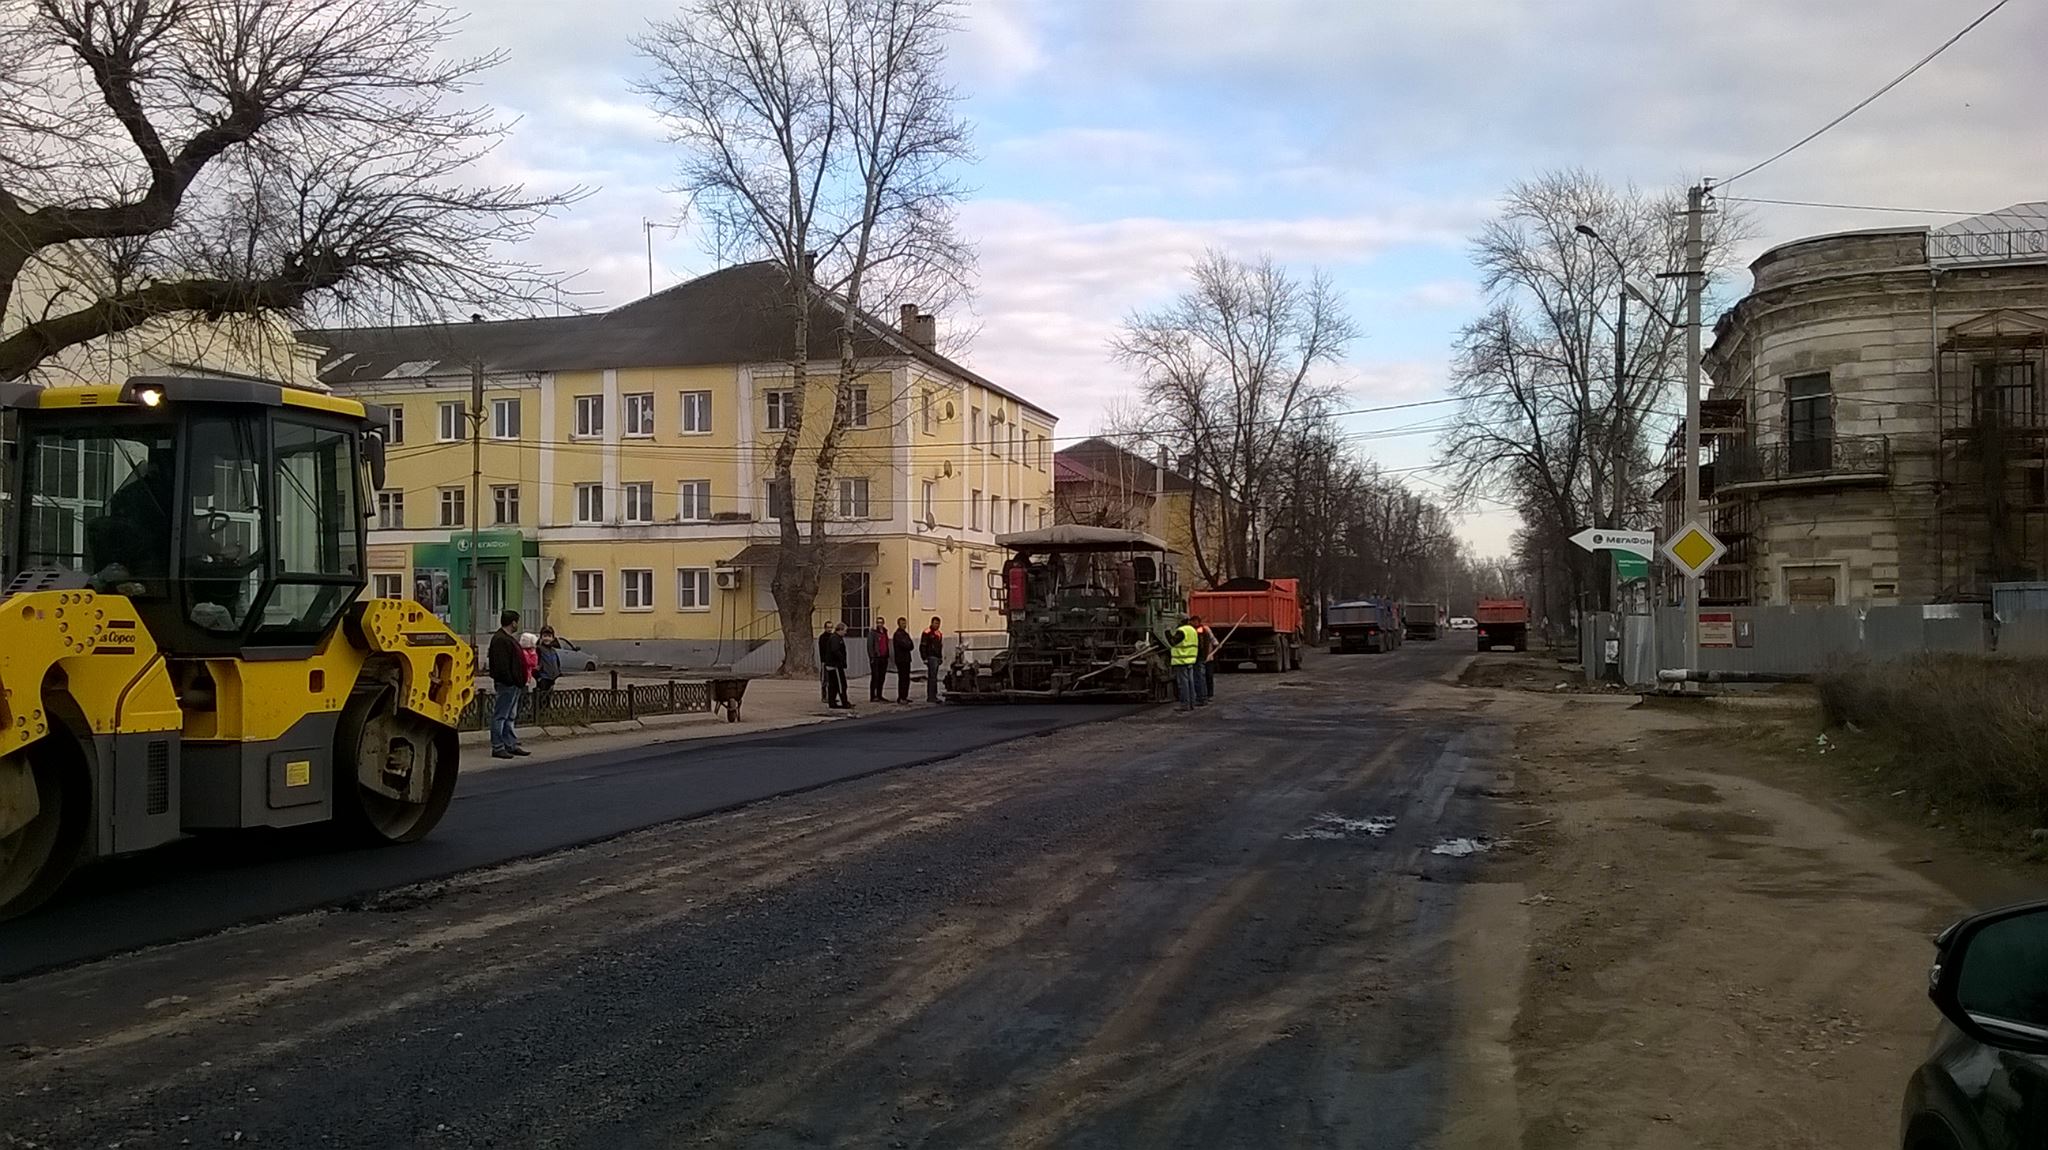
column 728, row 693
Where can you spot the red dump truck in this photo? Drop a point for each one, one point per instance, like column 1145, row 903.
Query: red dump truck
column 1503, row 622
column 1255, row 620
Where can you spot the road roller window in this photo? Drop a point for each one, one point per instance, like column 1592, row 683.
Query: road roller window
column 223, row 521
column 98, row 502
column 319, row 552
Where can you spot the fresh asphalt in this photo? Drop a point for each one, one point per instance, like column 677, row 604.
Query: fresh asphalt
column 207, row 884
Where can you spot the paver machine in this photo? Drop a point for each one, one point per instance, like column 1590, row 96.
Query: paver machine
column 185, row 645
column 1087, row 609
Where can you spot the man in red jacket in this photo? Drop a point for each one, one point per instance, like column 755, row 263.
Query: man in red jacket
column 878, row 659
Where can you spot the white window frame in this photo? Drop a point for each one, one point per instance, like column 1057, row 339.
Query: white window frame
column 589, row 416
column 695, row 416
column 387, row 585
column 693, row 588
column 931, row 501
column 498, row 493
column 995, row 434
column 505, row 418
column 391, row 499
column 853, row 497
column 974, row 427
column 997, row 522
column 396, row 429
column 637, row 421
column 693, row 501
column 1044, row 518
column 768, row 501
column 974, row 509
column 925, row 411
column 588, row 592
column 449, row 422
column 590, row 503
column 778, row 401
column 636, row 589
column 925, row 573
column 857, row 407
column 636, row 502
column 460, row 499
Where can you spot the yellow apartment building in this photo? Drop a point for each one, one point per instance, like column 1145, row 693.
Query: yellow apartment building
column 626, row 460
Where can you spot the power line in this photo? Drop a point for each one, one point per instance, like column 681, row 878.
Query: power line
column 1846, row 207
column 1868, row 100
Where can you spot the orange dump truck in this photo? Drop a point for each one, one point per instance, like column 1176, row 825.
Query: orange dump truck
column 1255, row 620
column 1503, row 622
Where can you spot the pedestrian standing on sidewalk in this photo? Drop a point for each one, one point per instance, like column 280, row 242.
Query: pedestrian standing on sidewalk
column 550, row 670
column 878, row 659
column 1205, row 663
column 839, row 699
column 931, row 647
column 508, row 684
column 1184, row 645
column 825, row 665
column 902, row 646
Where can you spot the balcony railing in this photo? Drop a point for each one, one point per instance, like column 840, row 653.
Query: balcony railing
column 1841, row 457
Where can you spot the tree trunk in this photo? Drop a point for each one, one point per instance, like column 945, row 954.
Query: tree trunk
column 795, row 585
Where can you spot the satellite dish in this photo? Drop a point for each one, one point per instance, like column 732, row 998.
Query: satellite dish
column 931, row 523
column 946, row 469
column 949, row 410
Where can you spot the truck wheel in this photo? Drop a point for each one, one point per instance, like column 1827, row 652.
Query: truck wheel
column 40, row 852
column 394, row 772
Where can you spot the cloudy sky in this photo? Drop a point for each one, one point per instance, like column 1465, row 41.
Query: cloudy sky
column 1118, row 138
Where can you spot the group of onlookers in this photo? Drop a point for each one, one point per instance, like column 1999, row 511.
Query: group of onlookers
column 519, row 661
column 885, row 649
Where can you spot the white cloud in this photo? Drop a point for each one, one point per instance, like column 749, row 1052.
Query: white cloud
column 1438, row 295
column 996, row 46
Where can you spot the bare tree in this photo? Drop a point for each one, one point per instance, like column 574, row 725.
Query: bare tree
column 1548, row 418
column 176, row 159
column 817, row 134
column 1226, row 377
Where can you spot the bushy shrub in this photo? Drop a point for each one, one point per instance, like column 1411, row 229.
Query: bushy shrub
column 1964, row 729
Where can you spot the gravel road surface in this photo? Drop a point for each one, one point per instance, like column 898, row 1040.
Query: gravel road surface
column 1225, row 929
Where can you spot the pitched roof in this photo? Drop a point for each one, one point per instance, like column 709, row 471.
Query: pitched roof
column 738, row 314
column 1110, row 463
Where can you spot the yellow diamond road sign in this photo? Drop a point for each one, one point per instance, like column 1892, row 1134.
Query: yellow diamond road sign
column 1693, row 549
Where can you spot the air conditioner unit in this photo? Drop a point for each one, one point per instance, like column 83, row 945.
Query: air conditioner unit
column 727, row 578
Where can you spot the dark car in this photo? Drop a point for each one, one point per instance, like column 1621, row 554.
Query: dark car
column 1985, row 1086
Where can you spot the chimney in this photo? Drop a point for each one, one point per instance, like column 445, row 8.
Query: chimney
column 1159, row 475
column 919, row 327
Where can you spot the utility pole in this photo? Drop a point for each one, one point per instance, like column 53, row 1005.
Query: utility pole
column 1695, row 285
column 471, row 581
column 647, row 225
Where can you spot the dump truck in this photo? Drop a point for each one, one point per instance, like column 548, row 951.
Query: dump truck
column 1503, row 622
column 1421, row 620
column 185, row 645
column 1086, row 610
column 1255, row 621
column 1370, row 625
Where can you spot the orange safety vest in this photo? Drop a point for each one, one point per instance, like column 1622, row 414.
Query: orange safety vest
column 1203, row 632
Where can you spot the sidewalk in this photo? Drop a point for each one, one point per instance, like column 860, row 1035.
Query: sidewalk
column 771, row 704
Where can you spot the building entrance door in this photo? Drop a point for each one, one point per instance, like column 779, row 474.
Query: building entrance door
column 854, row 609
column 493, row 601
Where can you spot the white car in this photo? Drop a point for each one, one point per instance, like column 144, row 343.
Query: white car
column 1462, row 623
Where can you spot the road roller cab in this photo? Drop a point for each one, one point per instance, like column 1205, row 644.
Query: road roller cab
column 184, row 640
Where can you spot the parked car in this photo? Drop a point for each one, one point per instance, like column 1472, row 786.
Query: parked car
column 574, row 658
column 1985, row 1086
column 1464, row 623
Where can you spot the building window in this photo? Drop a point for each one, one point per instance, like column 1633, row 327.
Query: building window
column 995, row 434
column 857, row 407
column 590, row 415
column 639, row 414
column 589, row 590
column 505, row 419
column 1043, row 517
column 590, row 503
column 780, row 403
column 927, row 578
column 391, row 509
column 977, row 588
column 636, row 589
column 1016, row 516
column 1809, row 422
column 505, row 502
column 924, row 411
column 931, row 501
column 451, row 422
column 396, row 430
column 974, row 427
column 693, row 499
column 974, row 510
column 387, row 586
column 639, row 499
column 693, row 589
column 452, row 506
column 2005, row 395
column 853, row 497
column 696, row 413
column 996, row 521
column 772, row 492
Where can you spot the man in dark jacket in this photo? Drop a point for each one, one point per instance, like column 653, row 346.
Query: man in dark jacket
column 902, row 646
column 825, row 665
column 508, row 684
column 878, row 659
column 832, row 666
column 931, row 647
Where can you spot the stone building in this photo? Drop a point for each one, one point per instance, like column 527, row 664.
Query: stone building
column 1874, row 428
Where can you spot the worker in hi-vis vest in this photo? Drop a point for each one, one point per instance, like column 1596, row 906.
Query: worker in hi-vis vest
column 1185, row 644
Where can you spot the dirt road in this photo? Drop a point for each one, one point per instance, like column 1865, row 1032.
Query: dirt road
column 1226, row 929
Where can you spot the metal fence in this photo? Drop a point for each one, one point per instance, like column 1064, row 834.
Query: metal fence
column 1804, row 640
column 582, row 706
column 1837, row 455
